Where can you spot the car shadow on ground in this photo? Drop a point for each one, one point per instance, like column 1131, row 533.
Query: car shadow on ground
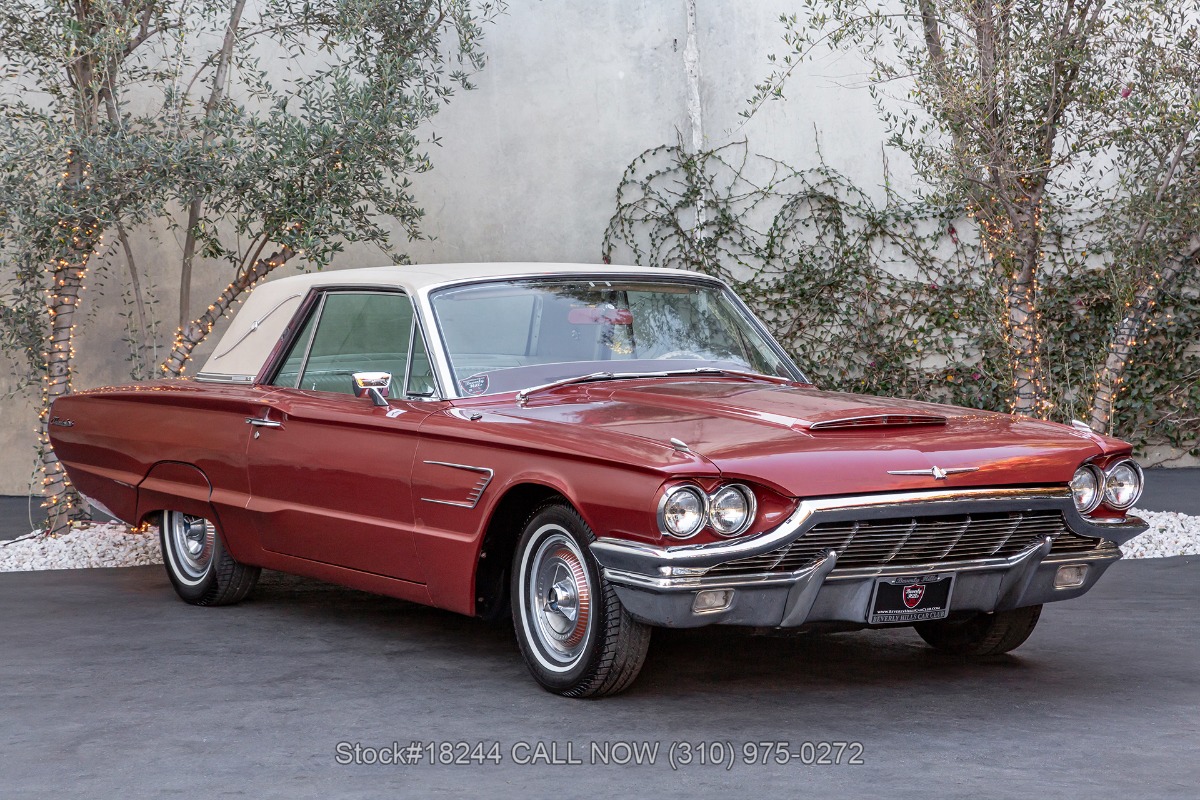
column 681, row 663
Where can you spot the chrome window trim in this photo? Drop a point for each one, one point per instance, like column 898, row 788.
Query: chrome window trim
column 324, row 292
column 408, row 362
column 317, row 313
column 214, row 377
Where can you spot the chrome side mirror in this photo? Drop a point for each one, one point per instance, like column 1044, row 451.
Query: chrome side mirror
column 375, row 385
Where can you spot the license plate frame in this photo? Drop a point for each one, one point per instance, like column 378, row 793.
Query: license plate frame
column 931, row 603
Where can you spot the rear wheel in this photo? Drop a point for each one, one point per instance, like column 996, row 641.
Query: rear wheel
column 575, row 635
column 200, row 568
column 982, row 634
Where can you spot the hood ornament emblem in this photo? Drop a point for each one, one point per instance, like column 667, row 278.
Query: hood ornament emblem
column 936, row 472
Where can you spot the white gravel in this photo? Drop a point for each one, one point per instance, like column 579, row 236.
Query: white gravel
column 1170, row 534
column 113, row 544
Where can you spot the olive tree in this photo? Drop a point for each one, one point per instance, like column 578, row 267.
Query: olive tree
column 1045, row 120
column 116, row 114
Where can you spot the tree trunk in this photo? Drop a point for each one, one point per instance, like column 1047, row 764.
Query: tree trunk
column 68, row 268
column 192, row 334
column 1021, row 306
column 143, row 345
column 196, row 206
column 1112, row 374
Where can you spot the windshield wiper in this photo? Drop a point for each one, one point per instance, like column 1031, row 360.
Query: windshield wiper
column 523, row 395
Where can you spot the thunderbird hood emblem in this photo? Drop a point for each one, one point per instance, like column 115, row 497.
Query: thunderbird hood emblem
column 935, row 471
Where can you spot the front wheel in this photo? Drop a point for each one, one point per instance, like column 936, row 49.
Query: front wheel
column 982, row 634
column 575, row 635
column 200, row 568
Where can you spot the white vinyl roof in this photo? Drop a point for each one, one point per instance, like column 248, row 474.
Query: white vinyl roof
column 256, row 328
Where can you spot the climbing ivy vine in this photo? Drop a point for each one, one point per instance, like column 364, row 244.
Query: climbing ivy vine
column 883, row 295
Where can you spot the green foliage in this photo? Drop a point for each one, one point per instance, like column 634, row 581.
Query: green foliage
column 305, row 155
column 888, row 297
column 319, row 156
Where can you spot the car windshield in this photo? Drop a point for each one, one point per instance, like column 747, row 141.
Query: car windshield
column 511, row 335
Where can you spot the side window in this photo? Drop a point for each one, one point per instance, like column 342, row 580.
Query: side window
column 290, row 371
column 420, row 374
column 359, row 332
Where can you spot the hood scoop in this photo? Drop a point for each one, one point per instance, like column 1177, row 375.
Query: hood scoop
column 877, row 421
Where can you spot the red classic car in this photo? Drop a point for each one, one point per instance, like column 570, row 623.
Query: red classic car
column 597, row 451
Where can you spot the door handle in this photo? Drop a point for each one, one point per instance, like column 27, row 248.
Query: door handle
column 263, row 423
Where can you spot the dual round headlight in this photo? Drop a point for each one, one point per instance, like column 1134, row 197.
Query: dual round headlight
column 1122, row 484
column 1118, row 487
column 685, row 510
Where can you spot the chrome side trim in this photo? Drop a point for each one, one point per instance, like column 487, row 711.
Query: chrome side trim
column 631, row 556
column 476, row 491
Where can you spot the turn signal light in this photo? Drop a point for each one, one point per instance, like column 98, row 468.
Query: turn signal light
column 710, row 600
column 1070, row 577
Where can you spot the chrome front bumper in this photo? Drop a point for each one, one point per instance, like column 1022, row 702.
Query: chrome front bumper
column 658, row 585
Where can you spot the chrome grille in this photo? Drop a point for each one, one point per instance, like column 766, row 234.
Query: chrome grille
column 908, row 540
column 1074, row 543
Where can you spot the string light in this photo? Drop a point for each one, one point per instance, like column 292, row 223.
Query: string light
column 79, row 240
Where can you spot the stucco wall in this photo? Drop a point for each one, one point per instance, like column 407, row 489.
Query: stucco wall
column 529, row 162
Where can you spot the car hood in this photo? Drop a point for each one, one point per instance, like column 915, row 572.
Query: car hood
column 775, row 434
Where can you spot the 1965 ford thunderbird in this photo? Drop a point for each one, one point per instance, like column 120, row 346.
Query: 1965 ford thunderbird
column 597, row 451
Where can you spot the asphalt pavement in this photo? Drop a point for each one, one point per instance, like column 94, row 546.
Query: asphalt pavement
column 1172, row 490
column 19, row 515
column 111, row 687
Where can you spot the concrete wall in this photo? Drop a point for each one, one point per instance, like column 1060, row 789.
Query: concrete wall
column 529, row 162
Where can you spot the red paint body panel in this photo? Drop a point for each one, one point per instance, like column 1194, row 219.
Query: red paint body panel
column 612, row 481
column 332, row 484
column 130, row 430
column 758, row 432
column 342, row 491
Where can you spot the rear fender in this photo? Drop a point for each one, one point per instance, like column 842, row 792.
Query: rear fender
column 176, row 486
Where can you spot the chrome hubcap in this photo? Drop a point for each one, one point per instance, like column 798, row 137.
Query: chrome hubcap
column 192, row 541
column 560, row 598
